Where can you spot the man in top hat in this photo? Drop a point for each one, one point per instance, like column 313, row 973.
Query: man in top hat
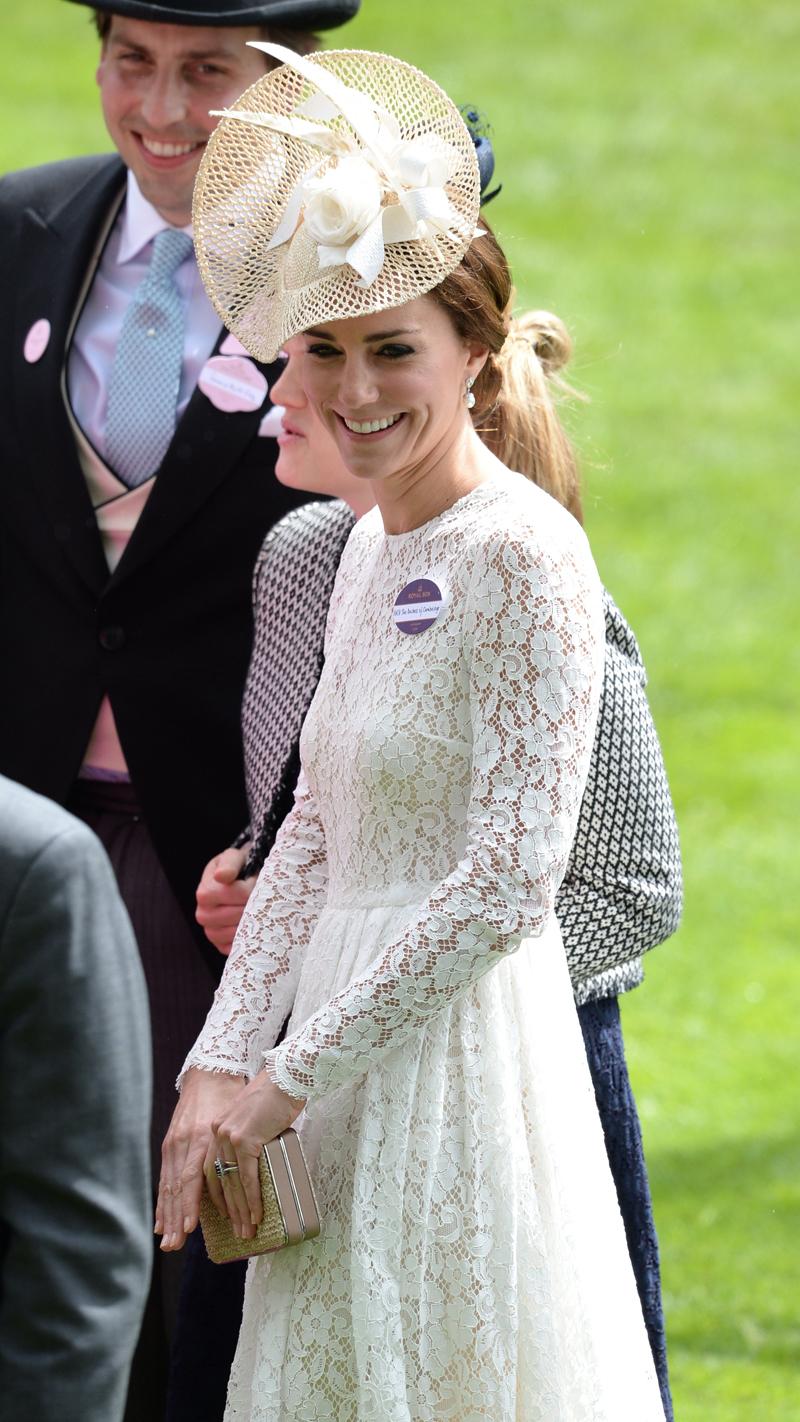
column 137, row 490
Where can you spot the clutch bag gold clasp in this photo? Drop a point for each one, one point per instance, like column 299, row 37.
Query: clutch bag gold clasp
column 290, row 1213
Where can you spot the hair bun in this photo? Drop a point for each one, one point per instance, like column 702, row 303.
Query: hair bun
column 547, row 334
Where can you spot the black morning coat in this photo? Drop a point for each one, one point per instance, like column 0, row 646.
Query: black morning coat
column 167, row 635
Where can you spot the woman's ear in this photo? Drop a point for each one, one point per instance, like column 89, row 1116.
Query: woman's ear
column 477, row 357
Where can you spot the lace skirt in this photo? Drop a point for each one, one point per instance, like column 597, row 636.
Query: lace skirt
column 472, row 1265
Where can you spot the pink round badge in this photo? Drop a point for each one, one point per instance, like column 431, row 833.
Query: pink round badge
column 37, row 341
column 417, row 607
column 232, row 346
column 233, row 383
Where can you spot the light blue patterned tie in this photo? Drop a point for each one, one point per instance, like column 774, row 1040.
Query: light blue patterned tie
column 146, row 374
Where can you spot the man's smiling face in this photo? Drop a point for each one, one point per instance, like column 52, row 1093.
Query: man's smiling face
column 157, row 84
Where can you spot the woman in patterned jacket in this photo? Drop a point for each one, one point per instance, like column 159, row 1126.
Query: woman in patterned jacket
column 621, row 894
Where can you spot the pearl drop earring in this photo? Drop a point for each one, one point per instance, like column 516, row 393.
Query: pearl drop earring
column 468, row 395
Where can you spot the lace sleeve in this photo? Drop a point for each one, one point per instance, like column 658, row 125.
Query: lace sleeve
column 257, row 988
column 533, row 640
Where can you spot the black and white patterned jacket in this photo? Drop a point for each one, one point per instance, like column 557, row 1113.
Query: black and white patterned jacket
column 622, row 892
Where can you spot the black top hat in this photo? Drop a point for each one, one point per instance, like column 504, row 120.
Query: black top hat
column 289, row 14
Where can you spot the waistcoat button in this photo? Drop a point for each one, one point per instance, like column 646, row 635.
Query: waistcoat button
column 111, row 638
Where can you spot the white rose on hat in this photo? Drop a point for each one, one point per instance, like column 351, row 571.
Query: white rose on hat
column 339, row 206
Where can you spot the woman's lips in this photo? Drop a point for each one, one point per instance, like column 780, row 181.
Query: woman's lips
column 288, row 434
column 360, row 438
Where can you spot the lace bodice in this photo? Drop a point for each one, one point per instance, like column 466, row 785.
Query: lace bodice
column 442, row 770
column 621, row 893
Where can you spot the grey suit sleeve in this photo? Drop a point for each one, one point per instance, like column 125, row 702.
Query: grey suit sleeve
column 622, row 893
column 74, row 1178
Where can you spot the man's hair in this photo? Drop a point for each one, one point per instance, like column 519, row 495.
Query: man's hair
column 301, row 41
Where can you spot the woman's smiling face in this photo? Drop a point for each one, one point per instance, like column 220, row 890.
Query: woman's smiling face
column 390, row 387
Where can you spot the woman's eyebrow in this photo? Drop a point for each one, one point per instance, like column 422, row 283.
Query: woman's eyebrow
column 379, row 335
column 389, row 335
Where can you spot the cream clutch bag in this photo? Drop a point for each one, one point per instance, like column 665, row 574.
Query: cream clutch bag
column 287, row 1195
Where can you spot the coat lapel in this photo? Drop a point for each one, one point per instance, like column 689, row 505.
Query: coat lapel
column 61, row 249
column 58, row 250
column 207, row 445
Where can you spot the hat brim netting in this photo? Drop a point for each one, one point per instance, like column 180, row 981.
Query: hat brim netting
column 249, row 177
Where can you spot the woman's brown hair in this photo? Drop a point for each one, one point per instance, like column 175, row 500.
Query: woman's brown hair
column 515, row 411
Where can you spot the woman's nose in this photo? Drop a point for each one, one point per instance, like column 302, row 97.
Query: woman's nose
column 357, row 387
column 288, row 391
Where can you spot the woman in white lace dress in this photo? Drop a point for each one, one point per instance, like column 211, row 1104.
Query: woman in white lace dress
column 472, row 1263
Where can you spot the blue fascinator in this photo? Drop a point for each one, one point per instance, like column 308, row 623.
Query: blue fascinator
column 479, row 130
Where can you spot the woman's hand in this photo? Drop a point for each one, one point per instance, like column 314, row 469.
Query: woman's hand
column 205, row 1096
column 222, row 896
column 258, row 1114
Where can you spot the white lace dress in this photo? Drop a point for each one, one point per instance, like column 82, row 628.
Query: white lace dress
column 472, row 1265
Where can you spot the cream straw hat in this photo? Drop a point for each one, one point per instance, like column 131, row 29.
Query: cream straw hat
column 337, row 185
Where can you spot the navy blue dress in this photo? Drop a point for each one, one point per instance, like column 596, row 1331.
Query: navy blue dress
column 605, row 1053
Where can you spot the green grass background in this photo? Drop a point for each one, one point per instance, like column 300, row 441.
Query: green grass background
column 649, row 159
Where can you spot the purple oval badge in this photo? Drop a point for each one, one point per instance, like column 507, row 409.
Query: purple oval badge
column 417, row 607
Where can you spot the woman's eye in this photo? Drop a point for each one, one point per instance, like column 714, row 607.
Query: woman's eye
column 393, row 352
column 322, row 351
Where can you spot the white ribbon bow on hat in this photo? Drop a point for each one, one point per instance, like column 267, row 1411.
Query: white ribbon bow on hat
column 380, row 189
